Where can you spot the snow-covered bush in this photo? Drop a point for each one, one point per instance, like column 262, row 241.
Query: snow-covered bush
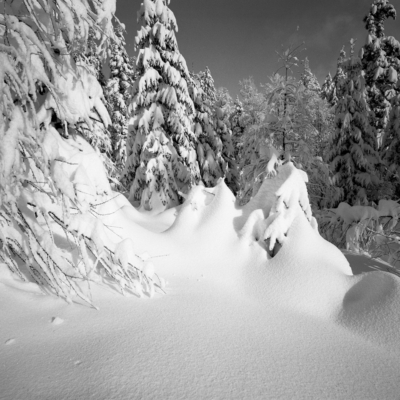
column 46, row 189
column 373, row 231
column 161, row 147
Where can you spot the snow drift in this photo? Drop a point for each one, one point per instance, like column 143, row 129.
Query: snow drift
column 257, row 305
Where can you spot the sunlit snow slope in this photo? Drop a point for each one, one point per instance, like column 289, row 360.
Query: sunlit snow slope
column 257, row 306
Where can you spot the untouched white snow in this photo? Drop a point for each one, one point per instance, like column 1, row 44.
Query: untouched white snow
column 234, row 322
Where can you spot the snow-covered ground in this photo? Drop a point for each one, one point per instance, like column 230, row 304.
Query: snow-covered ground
column 240, row 319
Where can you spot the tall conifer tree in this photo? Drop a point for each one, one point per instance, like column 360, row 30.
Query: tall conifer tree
column 117, row 96
column 380, row 58
column 354, row 156
column 161, row 156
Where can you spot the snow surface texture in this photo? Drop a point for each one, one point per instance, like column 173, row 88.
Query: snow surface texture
column 258, row 306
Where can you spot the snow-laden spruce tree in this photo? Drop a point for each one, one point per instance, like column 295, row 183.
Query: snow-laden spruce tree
column 211, row 127
column 308, row 79
column 381, row 63
column 117, row 95
column 209, row 144
column 207, row 84
column 97, row 135
column 380, row 58
column 353, row 156
column 52, row 183
column 331, row 89
column 237, row 126
column 223, row 108
column 328, row 90
column 161, row 146
column 220, row 137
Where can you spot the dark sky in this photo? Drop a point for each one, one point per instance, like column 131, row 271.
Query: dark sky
column 239, row 38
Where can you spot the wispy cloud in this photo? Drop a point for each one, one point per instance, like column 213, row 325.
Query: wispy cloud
column 332, row 27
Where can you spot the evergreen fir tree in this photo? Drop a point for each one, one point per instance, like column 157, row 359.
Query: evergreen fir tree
column 209, row 146
column 223, row 106
column 238, row 127
column 92, row 58
column 339, row 78
column 328, row 90
column 117, row 96
column 354, row 156
column 207, row 84
column 98, row 135
column 161, row 156
column 308, row 79
column 380, row 58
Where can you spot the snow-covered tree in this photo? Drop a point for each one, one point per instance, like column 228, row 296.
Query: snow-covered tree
column 161, row 146
column 308, row 79
column 207, row 84
column 331, row 89
column 48, row 191
column 98, row 134
column 223, row 108
column 237, row 126
column 353, row 156
column 211, row 127
column 117, row 95
column 328, row 90
column 254, row 150
column 380, row 58
column 209, row 146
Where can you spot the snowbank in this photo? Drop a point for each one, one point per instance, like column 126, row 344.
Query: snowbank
column 258, row 305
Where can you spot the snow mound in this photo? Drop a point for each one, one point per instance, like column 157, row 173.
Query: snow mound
column 371, row 307
column 239, row 320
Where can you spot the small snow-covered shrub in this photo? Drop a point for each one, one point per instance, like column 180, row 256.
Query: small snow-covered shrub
column 367, row 230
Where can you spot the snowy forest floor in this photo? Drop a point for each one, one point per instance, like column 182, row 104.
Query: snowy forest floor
column 233, row 324
column 200, row 341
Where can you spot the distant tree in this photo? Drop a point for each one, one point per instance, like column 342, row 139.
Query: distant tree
column 223, row 108
column 98, row 135
column 308, row 79
column 380, row 58
column 354, row 158
column 209, row 144
column 211, row 126
column 252, row 146
column 331, row 89
column 161, row 157
column 117, row 95
column 207, row 84
column 328, row 91
column 236, row 120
